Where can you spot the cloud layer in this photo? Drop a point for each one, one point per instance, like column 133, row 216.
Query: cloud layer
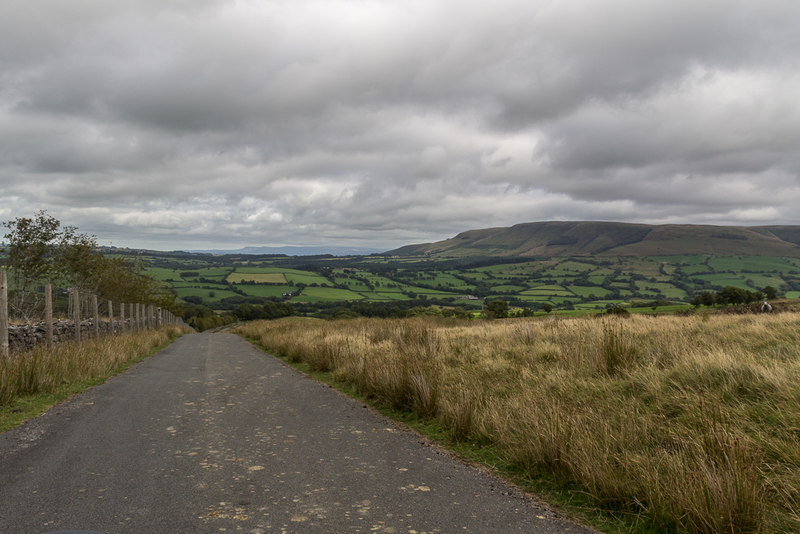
column 198, row 124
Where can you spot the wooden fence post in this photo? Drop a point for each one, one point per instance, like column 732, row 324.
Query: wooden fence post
column 122, row 317
column 48, row 315
column 110, row 318
column 138, row 316
column 96, row 311
column 76, row 314
column 3, row 314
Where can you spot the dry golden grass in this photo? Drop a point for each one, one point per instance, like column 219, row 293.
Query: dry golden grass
column 688, row 424
column 40, row 371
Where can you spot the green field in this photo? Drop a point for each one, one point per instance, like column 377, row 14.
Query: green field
column 660, row 288
column 508, row 289
column 351, row 283
column 161, row 274
column 545, row 290
column 317, row 294
column 305, row 278
column 208, row 295
column 210, row 273
column 598, row 304
column 722, row 280
column 588, row 291
column 266, row 291
column 585, row 283
column 259, row 278
column 750, row 263
column 384, row 296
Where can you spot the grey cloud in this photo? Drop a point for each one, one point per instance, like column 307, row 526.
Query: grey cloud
column 241, row 123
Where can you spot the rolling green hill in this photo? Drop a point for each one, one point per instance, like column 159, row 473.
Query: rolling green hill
column 564, row 265
column 611, row 239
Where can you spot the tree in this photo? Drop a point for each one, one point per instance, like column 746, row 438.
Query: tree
column 497, row 309
column 248, row 312
column 33, row 247
column 276, row 310
column 770, row 293
column 39, row 250
column 616, row 309
column 547, row 307
column 731, row 295
column 34, row 255
column 736, row 295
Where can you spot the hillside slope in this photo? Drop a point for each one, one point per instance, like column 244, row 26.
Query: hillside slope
column 586, row 238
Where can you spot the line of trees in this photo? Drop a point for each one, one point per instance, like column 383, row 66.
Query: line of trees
column 38, row 250
column 734, row 295
column 269, row 310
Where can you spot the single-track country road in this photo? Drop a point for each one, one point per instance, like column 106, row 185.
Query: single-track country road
column 213, row 435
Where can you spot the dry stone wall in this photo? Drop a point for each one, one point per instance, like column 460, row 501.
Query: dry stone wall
column 24, row 337
column 27, row 336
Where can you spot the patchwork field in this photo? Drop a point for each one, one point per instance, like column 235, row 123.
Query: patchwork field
column 567, row 283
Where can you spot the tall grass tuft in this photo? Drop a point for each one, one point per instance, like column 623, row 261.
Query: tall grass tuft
column 39, row 370
column 618, row 350
column 685, row 424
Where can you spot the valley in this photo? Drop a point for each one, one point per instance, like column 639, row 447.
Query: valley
column 566, row 284
column 566, row 267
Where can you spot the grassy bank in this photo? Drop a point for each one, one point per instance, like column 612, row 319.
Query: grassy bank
column 34, row 380
column 675, row 424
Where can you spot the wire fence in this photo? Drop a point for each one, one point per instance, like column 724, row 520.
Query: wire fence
column 41, row 313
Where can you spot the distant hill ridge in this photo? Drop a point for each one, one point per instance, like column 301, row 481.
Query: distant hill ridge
column 587, row 238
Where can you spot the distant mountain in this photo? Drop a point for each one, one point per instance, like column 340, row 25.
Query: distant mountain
column 559, row 239
column 295, row 251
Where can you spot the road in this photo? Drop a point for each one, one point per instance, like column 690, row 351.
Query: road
column 212, row 435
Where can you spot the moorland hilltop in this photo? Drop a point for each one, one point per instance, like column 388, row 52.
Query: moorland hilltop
column 584, row 238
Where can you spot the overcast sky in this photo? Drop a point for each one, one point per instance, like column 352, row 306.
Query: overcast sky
column 203, row 123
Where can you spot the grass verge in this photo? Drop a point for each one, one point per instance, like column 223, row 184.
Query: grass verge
column 33, row 381
column 572, row 504
column 642, row 424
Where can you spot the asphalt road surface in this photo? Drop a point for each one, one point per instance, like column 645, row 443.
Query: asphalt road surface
column 212, row 435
